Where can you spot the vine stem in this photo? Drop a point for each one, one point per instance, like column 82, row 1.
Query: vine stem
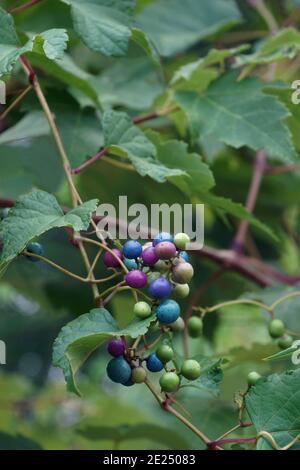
column 65, row 161
column 24, row 7
column 15, row 102
column 238, row 302
column 266, row 14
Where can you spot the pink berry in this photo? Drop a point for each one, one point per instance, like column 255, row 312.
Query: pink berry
column 136, row 279
column 165, row 250
column 149, row 256
column 111, row 261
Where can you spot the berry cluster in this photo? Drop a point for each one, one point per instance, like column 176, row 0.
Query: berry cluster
column 163, row 266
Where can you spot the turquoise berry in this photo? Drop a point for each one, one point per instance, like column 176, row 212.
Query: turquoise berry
column 184, row 255
column 118, row 370
column 153, row 363
column 130, row 264
column 168, row 311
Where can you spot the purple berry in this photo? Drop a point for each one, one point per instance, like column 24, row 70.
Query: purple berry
column 162, row 237
column 132, row 249
column 116, row 347
column 136, row 279
column 160, row 288
column 111, row 261
column 165, row 250
column 149, row 256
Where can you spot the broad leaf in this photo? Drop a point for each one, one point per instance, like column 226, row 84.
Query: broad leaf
column 79, row 338
column 33, row 125
column 103, row 25
column 239, row 114
column 124, row 139
column 139, row 37
column 8, row 33
column 51, row 43
column 175, row 25
column 273, row 405
column 35, row 214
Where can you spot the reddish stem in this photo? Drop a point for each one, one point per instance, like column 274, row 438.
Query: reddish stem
column 89, row 162
column 24, row 7
column 239, row 440
column 259, row 169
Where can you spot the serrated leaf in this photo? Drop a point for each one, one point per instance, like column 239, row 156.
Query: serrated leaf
column 174, row 25
column 124, row 139
column 273, row 405
column 79, row 338
column 34, row 214
column 239, row 114
column 8, row 33
column 51, row 43
column 33, row 125
column 103, row 25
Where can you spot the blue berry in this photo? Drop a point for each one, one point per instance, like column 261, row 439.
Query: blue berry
column 154, row 364
column 168, row 311
column 132, row 249
column 118, row 370
column 162, row 237
column 36, row 249
column 129, row 383
column 184, row 255
column 160, row 288
column 130, row 264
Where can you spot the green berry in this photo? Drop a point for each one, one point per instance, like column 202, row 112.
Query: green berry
column 181, row 291
column 152, row 276
column 177, row 325
column 252, row 378
column 169, row 381
column 276, row 328
column 181, row 240
column 165, row 353
column 161, row 266
column 191, row 369
column 195, row 327
column 138, row 375
column 285, row 342
column 142, row 310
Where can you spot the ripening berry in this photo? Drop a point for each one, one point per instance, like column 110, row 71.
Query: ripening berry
column 252, row 378
column 165, row 353
column 36, row 249
column 177, row 325
column 116, row 347
column 138, row 375
column 130, row 264
column 285, row 342
column 165, row 250
column 132, row 249
column 195, row 326
column 183, row 273
column 153, row 363
column 191, row 369
column 136, row 279
column 276, row 328
column 181, row 291
column 181, row 240
column 162, row 237
column 160, row 288
column 142, row 310
column 169, row 382
column 184, row 255
column 161, row 266
column 149, row 256
column 110, row 260
column 118, row 370
column 168, row 311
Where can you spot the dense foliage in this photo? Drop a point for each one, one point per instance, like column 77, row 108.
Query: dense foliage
column 164, row 101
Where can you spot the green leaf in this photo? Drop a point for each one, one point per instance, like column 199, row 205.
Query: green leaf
column 124, row 139
column 273, row 405
column 33, row 125
column 139, row 37
column 8, row 33
column 79, row 338
column 174, row 25
column 51, row 43
column 35, row 214
column 282, row 355
column 211, row 376
column 103, row 25
column 239, row 114
column 153, row 432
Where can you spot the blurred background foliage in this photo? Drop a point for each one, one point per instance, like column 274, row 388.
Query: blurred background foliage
column 35, row 301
